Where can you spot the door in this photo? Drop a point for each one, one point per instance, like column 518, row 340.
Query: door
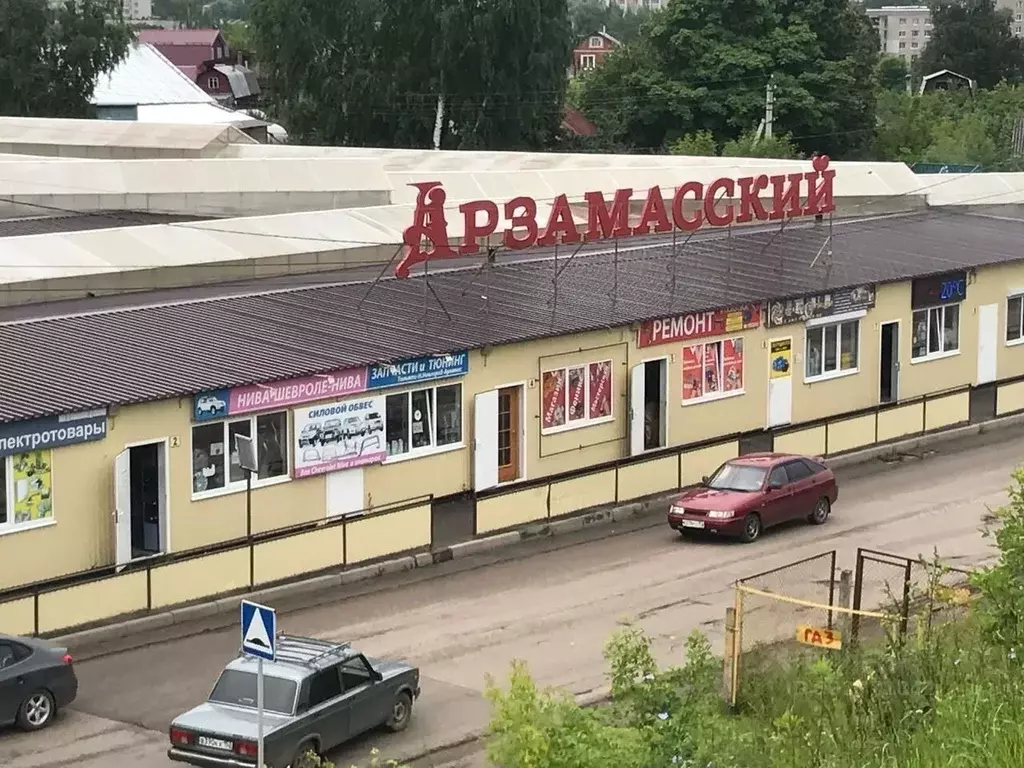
column 803, row 487
column 369, row 701
column 988, row 338
column 329, row 712
column 778, row 501
column 637, row 380
column 123, row 509
column 485, row 440
column 11, row 686
column 780, row 382
column 510, row 434
column 889, row 363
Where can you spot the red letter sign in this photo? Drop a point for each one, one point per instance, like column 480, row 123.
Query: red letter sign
column 429, row 224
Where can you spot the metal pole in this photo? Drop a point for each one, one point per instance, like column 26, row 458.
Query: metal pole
column 248, row 531
column 769, row 107
column 259, row 712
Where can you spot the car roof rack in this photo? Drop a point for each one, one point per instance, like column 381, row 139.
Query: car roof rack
column 309, row 651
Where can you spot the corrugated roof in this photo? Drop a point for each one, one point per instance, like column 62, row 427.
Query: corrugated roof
column 91, row 360
column 40, row 225
column 243, row 82
column 145, row 76
column 204, row 37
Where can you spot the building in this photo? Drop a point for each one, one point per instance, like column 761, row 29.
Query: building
column 1016, row 10
column 633, row 5
column 207, row 60
column 592, row 50
column 134, row 10
column 903, row 30
column 478, row 395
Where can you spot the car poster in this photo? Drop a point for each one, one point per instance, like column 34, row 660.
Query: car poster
column 553, row 399
column 693, row 371
column 577, row 394
column 601, row 389
column 339, row 435
column 732, row 365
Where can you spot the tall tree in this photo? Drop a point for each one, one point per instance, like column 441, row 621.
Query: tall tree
column 50, row 57
column 623, row 24
column 705, row 65
column 973, row 38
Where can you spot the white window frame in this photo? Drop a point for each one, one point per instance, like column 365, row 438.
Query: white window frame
column 586, row 421
column 10, row 527
column 721, row 394
column 434, row 449
column 942, row 353
column 596, row 41
column 588, row 61
column 213, row 83
column 821, row 324
column 239, row 485
column 1017, row 296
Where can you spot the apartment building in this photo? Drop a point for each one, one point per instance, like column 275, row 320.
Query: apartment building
column 903, row 30
column 134, row 10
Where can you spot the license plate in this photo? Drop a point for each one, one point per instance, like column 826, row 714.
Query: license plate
column 209, row 741
column 693, row 523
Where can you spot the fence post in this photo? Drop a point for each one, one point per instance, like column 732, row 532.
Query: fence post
column 908, row 577
column 845, row 594
column 729, row 656
column 858, row 593
column 737, row 647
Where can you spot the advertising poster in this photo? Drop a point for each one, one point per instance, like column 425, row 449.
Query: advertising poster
column 697, row 325
column 339, row 435
column 812, row 306
column 712, row 369
column 781, row 359
column 577, row 394
column 601, row 389
column 693, row 371
column 732, row 364
column 552, row 399
column 32, row 487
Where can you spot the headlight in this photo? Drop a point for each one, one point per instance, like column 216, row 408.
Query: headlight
column 721, row 514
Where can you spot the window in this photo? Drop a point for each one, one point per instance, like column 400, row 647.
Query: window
column 832, row 349
column 213, row 83
column 588, row 61
column 26, row 490
column 712, row 370
column 914, row 33
column 902, row 33
column 238, row 689
column 355, row 673
column 813, row 467
column 577, row 396
column 737, row 477
column 902, row 46
column 215, row 464
column 423, row 419
column 596, row 42
column 797, row 471
column 7, row 657
column 325, row 686
column 778, row 477
column 913, row 45
column 1015, row 319
column 936, row 331
column 903, row 21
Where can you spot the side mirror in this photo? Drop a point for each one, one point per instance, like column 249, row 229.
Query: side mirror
column 704, row 480
column 774, row 485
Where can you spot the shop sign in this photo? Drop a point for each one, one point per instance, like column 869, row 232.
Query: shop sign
column 949, row 288
column 814, row 306
column 698, row 325
column 339, row 435
column 420, row 369
column 781, row 358
column 53, row 432
column 427, row 239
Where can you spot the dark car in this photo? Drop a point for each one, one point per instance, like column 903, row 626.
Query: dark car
column 316, row 696
column 332, row 431
column 310, row 435
column 756, row 491
column 36, row 680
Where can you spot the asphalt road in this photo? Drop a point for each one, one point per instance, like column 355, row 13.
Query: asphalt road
column 552, row 603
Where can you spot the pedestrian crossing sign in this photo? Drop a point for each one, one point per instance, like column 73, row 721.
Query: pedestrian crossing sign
column 259, row 630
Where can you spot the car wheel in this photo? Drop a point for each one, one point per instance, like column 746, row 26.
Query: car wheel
column 36, row 711
column 400, row 712
column 820, row 512
column 308, row 756
column 751, row 528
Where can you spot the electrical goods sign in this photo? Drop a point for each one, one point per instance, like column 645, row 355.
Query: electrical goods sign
column 804, row 308
column 53, row 432
column 697, row 325
column 692, row 206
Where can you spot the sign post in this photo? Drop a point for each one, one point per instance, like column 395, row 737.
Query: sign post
column 259, row 639
column 245, row 447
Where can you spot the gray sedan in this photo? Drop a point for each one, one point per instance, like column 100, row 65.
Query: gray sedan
column 36, row 679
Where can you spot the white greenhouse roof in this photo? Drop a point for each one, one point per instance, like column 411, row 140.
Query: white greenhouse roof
column 972, row 188
column 196, row 114
column 32, row 131
column 145, row 76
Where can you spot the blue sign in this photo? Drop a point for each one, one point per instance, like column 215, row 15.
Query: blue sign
column 259, row 631
column 419, row 369
column 53, row 432
column 210, row 405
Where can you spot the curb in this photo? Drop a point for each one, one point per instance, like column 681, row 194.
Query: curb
column 599, row 516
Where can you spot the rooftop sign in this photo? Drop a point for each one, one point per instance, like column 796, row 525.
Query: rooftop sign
column 427, row 239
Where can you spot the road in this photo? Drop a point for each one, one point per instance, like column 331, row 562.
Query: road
column 552, row 604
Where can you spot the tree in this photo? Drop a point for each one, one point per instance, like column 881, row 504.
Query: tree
column 703, row 65
column 588, row 16
column 699, row 144
column 891, row 73
column 973, row 38
column 50, row 57
column 778, row 146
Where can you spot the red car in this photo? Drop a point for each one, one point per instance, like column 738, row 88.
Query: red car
column 756, row 491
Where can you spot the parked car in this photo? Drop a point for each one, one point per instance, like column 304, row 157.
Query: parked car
column 209, row 404
column 756, row 491
column 37, row 679
column 374, row 423
column 310, row 435
column 316, row 696
column 354, row 426
column 331, row 431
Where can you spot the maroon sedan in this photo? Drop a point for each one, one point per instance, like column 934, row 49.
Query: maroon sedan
column 756, row 491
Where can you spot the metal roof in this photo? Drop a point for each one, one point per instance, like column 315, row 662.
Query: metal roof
column 201, row 37
column 32, row 132
column 44, row 225
column 178, row 347
column 145, row 76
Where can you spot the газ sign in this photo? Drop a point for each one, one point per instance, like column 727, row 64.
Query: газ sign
column 426, row 239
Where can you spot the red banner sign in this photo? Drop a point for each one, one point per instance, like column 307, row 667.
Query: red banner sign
column 693, row 205
column 698, row 325
column 601, row 389
column 553, row 399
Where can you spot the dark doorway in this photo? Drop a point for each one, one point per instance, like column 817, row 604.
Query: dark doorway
column 655, row 400
column 453, row 520
column 146, row 483
column 982, row 403
column 889, row 373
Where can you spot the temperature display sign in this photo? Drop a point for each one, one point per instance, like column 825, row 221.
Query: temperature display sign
column 934, row 291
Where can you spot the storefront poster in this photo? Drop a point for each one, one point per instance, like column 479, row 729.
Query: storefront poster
column 553, row 399
column 601, row 389
column 693, row 371
column 814, row 306
column 339, row 435
column 53, row 432
column 577, row 394
column 781, row 359
column 712, row 367
column 732, row 365
column 419, row 369
column 699, row 325
column 33, row 487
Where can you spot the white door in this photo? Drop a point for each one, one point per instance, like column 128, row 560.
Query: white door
column 345, row 493
column 780, row 382
column 988, row 339
column 123, row 508
column 637, row 384
column 485, row 440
